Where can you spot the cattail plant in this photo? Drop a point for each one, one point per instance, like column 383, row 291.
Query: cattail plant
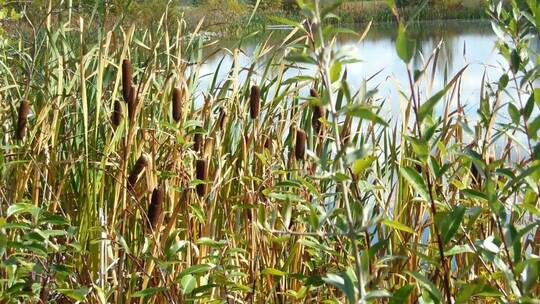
column 222, row 120
column 117, row 114
column 177, row 104
column 254, row 101
column 132, row 102
column 127, row 79
column 22, row 119
column 197, row 141
column 300, row 149
column 268, row 143
column 318, row 112
column 155, row 208
column 201, row 172
column 139, row 166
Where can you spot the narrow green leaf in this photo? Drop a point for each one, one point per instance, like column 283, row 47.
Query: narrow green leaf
column 450, row 223
column 405, row 46
column 274, row 272
column 398, row 226
column 188, row 283
column 427, row 107
column 426, row 283
column 416, row 181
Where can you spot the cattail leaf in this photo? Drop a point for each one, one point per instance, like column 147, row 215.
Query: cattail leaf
column 273, row 272
column 335, row 71
column 148, row 292
column 534, row 126
column 459, row 249
column 420, row 147
column 209, row 242
column 299, row 78
column 188, row 283
column 300, row 58
column 21, row 208
column 427, row 107
column 286, row 21
column 449, row 222
column 329, row 9
column 78, row 294
column 416, row 180
column 196, row 269
column 364, row 112
column 377, row 294
column 399, row 226
column 405, row 46
column 401, row 295
column 427, row 284
column 343, row 282
column 478, row 289
column 513, row 239
column 360, row 165
column 514, row 113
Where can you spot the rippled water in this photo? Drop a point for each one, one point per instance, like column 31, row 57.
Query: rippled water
column 462, row 43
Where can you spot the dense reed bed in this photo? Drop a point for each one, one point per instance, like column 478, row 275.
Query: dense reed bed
column 124, row 180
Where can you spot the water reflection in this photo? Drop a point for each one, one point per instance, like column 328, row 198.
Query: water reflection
column 463, row 42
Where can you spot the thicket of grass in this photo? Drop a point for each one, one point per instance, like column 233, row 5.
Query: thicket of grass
column 123, row 180
column 230, row 17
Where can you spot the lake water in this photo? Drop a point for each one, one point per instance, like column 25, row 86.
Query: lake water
column 464, row 43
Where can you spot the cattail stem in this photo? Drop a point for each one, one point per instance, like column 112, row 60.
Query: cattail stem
column 201, row 172
column 22, row 119
column 177, row 104
column 127, row 79
column 254, row 101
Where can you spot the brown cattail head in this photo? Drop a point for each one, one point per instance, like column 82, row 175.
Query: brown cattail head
column 222, row 121
column 475, row 174
column 22, row 119
column 117, row 114
column 155, row 208
column 132, row 102
column 313, row 93
column 318, row 113
column 198, row 141
column 268, row 143
column 254, row 101
column 300, row 149
column 177, row 104
column 139, row 166
column 127, row 79
column 201, row 171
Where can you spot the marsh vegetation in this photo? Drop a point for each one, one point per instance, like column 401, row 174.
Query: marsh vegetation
column 135, row 167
